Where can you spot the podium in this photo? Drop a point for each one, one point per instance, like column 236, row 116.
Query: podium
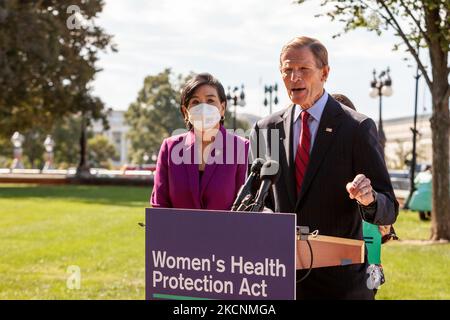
column 328, row 251
column 203, row 254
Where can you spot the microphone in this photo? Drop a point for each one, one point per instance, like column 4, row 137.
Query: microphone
column 270, row 172
column 246, row 189
column 245, row 204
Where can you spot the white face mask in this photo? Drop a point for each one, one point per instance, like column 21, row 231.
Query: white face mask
column 204, row 116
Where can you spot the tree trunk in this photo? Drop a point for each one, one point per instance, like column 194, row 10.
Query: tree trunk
column 83, row 167
column 440, row 216
column 440, row 124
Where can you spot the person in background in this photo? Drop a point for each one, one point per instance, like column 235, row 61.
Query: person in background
column 204, row 167
column 420, row 199
column 344, row 100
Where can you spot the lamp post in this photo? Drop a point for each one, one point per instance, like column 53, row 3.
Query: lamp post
column 234, row 98
column 269, row 90
column 49, row 144
column 17, row 140
column 381, row 86
column 83, row 170
column 412, row 168
column 145, row 158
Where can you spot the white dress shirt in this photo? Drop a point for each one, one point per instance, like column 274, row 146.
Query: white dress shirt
column 315, row 113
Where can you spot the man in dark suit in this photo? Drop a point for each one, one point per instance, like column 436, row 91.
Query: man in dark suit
column 333, row 173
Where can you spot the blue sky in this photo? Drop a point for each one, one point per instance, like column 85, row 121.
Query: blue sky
column 239, row 42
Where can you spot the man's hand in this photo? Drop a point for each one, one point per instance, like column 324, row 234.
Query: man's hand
column 361, row 190
column 384, row 230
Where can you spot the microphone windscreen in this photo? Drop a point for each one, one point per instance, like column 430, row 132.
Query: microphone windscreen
column 270, row 170
column 257, row 165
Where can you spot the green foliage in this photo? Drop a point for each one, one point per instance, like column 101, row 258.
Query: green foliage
column 6, row 152
column 101, row 152
column 155, row 114
column 33, row 149
column 46, row 66
column 66, row 134
column 405, row 17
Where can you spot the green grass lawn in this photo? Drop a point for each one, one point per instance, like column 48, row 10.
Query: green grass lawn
column 44, row 230
column 415, row 271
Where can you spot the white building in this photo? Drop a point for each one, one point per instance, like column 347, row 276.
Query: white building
column 398, row 134
column 399, row 139
column 117, row 135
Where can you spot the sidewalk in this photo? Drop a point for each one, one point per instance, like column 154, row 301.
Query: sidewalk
column 59, row 177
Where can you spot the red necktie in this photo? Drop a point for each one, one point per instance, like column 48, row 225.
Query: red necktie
column 302, row 155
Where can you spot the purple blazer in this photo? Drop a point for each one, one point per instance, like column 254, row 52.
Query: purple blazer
column 177, row 182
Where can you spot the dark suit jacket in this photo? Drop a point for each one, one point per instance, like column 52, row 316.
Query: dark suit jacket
column 346, row 144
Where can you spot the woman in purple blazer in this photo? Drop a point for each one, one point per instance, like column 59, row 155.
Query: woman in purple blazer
column 205, row 167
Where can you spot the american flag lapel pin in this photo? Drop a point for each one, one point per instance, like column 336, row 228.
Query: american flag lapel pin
column 329, row 129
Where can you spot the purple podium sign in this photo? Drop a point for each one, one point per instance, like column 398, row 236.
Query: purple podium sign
column 200, row 254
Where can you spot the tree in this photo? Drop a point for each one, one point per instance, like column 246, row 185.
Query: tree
column 87, row 114
column 417, row 23
column 101, row 151
column 33, row 149
column 155, row 114
column 48, row 55
column 6, row 152
column 66, row 135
